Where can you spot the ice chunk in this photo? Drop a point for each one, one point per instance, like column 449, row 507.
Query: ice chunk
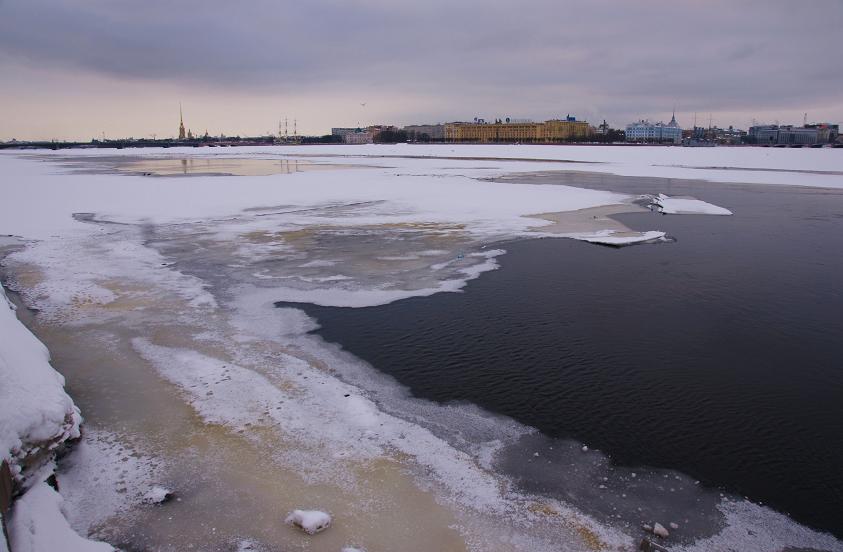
column 310, row 521
column 660, row 531
column 158, row 494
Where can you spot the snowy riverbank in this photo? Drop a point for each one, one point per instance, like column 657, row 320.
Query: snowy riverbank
column 36, row 415
column 37, row 419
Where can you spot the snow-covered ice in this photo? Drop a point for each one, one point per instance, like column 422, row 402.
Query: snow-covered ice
column 752, row 165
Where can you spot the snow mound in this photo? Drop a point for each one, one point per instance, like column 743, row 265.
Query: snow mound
column 36, row 415
column 37, row 524
column 679, row 206
column 309, row 521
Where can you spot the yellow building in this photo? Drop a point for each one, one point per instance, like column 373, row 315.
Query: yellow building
column 555, row 130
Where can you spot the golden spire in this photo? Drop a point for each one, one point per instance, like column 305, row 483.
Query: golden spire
column 181, row 124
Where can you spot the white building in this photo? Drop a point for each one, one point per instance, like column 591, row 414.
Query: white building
column 645, row 131
column 358, row 137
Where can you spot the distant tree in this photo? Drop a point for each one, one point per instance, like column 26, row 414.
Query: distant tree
column 391, row 137
column 326, row 139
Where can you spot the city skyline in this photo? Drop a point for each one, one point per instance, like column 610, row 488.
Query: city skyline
column 344, row 64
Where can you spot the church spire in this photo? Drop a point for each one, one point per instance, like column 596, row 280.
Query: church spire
column 181, row 124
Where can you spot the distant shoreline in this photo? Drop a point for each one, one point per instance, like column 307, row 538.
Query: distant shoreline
column 123, row 144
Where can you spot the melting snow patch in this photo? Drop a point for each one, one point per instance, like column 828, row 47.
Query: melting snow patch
column 309, row 521
column 104, row 477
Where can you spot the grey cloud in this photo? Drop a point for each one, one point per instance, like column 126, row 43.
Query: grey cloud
column 622, row 57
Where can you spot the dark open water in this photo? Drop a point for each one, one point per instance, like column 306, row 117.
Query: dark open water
column 719, row 355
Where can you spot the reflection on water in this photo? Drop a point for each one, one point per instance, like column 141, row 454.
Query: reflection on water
column 196, row 166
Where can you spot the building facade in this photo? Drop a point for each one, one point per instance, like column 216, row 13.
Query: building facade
column 645, row 131
column 764, row 134
column 554, row 130
column 799, row 135
column 787, row 135
column 826, row 132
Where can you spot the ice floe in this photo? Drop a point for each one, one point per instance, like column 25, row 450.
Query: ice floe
column 682, row 205
column 619, row 239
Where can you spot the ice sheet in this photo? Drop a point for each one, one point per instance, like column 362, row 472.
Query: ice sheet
column 756, row 165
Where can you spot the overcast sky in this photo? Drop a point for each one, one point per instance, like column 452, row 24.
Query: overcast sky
column 78, row 68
